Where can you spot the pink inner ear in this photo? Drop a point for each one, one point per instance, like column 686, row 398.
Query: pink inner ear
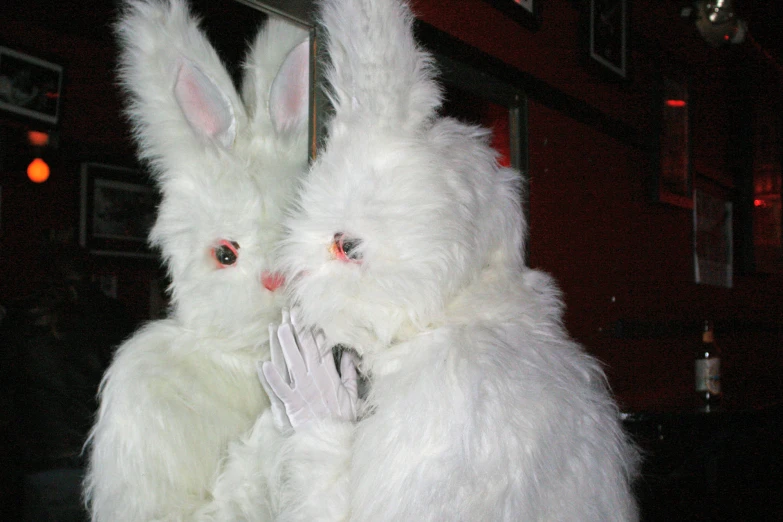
column 204, row 105
column 289, row 95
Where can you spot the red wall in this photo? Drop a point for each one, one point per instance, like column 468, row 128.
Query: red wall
column 36, row 218
column 618, row 255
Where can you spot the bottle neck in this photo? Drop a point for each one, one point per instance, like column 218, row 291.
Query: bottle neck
column 707, row 337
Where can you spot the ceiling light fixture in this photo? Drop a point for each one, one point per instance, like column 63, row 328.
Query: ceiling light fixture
column 717, row 22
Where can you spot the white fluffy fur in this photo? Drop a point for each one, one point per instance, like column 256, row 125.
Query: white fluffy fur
column 480, row 407
column 177, row 435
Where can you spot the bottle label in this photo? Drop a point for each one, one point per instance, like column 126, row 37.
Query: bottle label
column 708, row 375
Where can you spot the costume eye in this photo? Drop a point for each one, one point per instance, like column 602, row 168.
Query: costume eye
column 226, row 253
column 346, row 249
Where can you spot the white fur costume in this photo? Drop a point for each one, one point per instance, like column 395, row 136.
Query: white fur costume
column 480, row 406
column 177, row 436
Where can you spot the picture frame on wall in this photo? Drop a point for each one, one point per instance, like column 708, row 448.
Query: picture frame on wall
column 525, row 12
column 117, row 210
column 30, row 87
column 767, row 189
column 608, row 36
column 674, row 180
column 713, row 247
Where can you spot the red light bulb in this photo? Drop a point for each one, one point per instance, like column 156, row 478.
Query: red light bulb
column 38, row 171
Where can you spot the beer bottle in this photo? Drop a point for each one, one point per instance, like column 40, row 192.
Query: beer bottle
column 708, row 367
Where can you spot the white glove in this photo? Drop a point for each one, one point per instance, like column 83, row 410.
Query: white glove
column 306, row 383
column 279, row 415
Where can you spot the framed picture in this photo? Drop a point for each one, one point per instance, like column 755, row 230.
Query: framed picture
column 767, row 189
column 526, row 12
column 30, row 87
column 712, row 239
column 674, row 180
column 608, row 36
column 117, row 210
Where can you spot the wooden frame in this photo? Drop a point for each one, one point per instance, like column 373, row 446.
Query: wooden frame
column 608, row 36
column 30, row 87
column 227, row 21
column 525, row 12
column 304, row 12
column 117, row 210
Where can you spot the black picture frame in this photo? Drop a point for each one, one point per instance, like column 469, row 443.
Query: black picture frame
column 30, row 87
column 608, row 36
column 525, row 12
column 766, row 191
column 671, row 180
column 117, row 209
column 675, row 177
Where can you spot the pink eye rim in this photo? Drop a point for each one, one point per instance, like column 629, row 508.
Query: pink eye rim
column 345, row 248
column 225, row 253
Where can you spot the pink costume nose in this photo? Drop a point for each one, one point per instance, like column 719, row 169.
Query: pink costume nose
column 272, row 280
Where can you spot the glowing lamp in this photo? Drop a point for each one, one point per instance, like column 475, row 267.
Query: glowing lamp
column 38, row 171
column 37, row 138
column 675, row 103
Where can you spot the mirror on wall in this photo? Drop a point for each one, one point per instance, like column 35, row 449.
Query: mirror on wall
column 76, row 40
column 64, row 309
column 231, row 24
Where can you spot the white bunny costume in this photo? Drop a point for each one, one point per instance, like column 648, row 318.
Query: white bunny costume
column 177, row 436
column 406, row 244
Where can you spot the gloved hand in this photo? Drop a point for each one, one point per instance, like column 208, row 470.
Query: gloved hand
column 306, row 381
column 279, row 414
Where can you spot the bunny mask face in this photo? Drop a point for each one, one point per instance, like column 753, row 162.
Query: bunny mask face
column 403, row 209
column 226, row 164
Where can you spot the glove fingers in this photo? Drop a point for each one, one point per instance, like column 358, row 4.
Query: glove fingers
column 348, row 374
column 276, row 405
column 326, row 353
column 297, row 369
column 276, row 353
column 296, row 322
column 310, row 346
column 265, row 384
column 311, row 349
column 293, row 317
column 274, row 382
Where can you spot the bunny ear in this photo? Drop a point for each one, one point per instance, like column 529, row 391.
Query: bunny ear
column 276, row 85
column 181, row 94
column 377, row 69
column 289, row 96
column 206, row 108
